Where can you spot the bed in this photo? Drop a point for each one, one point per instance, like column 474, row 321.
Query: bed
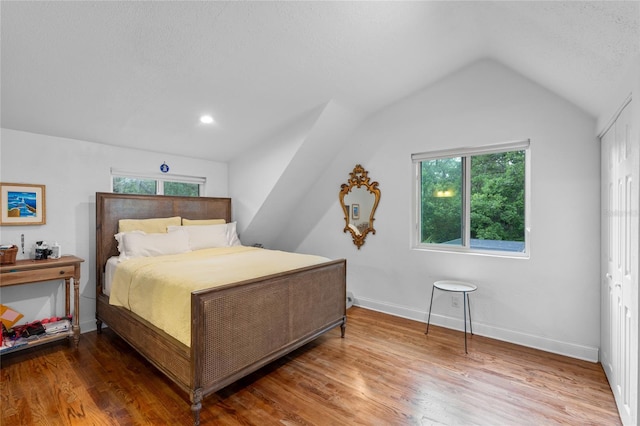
column 230, row 337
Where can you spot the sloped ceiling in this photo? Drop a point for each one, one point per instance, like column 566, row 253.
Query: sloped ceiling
column 139, row 74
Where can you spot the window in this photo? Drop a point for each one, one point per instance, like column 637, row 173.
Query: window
column 155, row 184
column 473, row 199
column 132, row 185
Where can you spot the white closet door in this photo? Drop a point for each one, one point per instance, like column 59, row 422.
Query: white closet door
column 608, row 225
column 620, row 194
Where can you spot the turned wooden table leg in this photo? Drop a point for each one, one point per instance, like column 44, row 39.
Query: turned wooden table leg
column 76, row 306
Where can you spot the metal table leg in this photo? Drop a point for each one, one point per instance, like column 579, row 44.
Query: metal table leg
column 464, row 314
column 433, row 288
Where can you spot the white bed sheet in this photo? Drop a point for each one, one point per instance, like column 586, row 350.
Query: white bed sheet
column 109, row 270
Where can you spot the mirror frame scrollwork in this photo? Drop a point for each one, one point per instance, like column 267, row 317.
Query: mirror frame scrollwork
column 359, row 178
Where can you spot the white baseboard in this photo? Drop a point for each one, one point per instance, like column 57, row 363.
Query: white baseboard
column 586, row 353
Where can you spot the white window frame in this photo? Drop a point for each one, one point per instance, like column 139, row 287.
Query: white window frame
column 416, row 244
column 160, row 178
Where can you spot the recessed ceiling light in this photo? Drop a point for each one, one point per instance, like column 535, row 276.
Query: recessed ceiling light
column 206, row 119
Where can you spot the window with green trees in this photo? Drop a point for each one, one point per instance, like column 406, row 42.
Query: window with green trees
column 472, row 200
column 129, row 185
column 132, row 183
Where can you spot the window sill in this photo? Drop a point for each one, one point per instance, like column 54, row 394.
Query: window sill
column 474, row 252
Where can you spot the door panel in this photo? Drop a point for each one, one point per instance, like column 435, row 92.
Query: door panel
column 608, row 305
column 619, row 339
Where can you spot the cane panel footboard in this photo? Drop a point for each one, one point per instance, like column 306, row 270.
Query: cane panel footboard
column 245, row 326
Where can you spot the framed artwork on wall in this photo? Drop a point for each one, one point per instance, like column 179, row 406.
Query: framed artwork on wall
column 22, row 204
column 355, row 212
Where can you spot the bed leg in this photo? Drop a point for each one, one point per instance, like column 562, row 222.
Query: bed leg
column 343, row 326
column 99, row 326
column 196, row 406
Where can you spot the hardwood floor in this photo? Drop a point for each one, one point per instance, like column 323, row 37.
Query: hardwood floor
column 386, row 371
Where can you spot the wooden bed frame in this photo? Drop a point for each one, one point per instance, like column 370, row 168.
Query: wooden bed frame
column 235, row 329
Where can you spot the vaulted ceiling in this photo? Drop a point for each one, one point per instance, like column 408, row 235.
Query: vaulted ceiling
column 139, row 74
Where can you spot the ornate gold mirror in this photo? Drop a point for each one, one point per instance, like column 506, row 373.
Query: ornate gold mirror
column 359, row 199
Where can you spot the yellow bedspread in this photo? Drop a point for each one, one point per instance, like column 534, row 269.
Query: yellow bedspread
column 159, row 288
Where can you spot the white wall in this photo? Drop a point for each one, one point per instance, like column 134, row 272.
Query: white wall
column 267, row 183
column 73, row 171
column 253, row 175
column 551, row 300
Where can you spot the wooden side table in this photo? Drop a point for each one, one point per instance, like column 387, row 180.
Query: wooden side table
column 31, row 271
column 456, row 287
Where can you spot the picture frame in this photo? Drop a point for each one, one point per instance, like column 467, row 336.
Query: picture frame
column 22, row 204
column 355, row 211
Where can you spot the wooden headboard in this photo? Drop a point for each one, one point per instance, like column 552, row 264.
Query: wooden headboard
column 110, row 208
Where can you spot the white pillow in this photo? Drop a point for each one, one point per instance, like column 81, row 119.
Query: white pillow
column 205, row 236
column 210, row 236
column 121, row 245
column 140, row 244
column 232, row 235
column 200, row 222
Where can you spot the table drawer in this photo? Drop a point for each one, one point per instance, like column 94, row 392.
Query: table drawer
column 35, row 275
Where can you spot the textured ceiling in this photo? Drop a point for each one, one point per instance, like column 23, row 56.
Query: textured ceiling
column 139, row 74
